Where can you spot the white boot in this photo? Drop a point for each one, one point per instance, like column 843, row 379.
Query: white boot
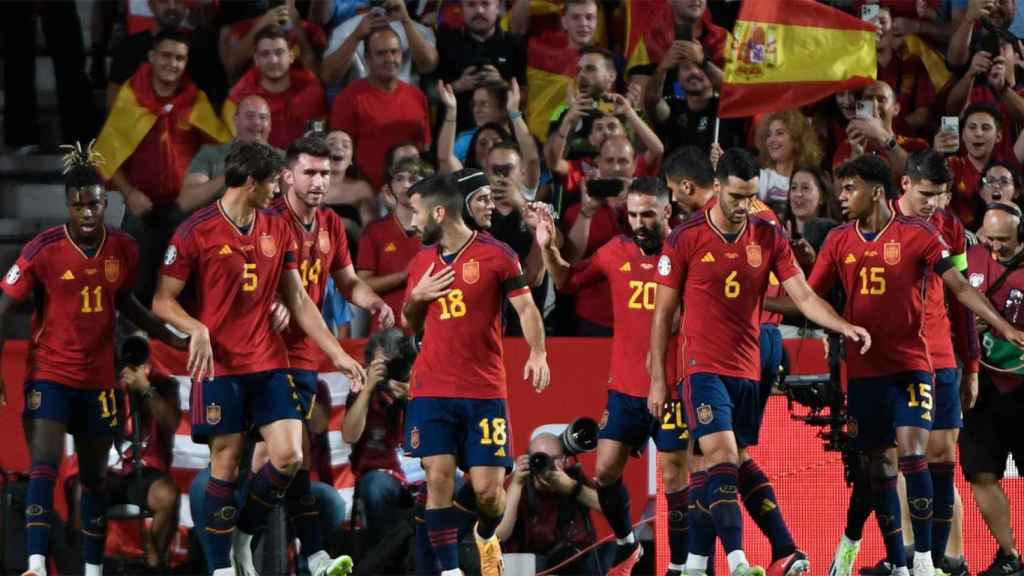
column 241, row 554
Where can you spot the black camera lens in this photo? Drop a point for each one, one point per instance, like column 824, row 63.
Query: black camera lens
column 541, row 463
column 580, row 436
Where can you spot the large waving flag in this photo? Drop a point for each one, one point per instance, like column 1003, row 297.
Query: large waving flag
column 788, row 53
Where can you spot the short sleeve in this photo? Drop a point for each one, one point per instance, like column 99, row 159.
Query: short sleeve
column 937, row 254
column 585, row 273
column 784, row 264
column 672, row 265
column 181, row 257
column 21, row 278
column 824, row 274
column 368, row 257
column 416, row 269
column 513, row 280
column 291, row 251
column 342, row 257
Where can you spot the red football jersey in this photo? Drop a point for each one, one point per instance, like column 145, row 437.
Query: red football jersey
column 237, row 274
column 885, row 280
column 385, row 248
column 723, row 286
column 461, row 353
column 322, row 250
column 591, row 303
column 75, row 299
column 937, row 327
column 630, row 273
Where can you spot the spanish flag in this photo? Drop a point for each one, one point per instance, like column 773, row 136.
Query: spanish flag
column 137, row 110
column 789, row 53
column 650, row 31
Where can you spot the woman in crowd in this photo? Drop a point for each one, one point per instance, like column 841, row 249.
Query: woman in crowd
column 785, row 140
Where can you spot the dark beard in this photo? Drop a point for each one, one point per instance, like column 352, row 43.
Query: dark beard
column 650, row 243
column 431, row 234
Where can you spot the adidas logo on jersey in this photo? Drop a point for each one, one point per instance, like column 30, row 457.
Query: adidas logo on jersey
column 225, row 250
column 708, row 257
column 500, row 453
column 68, row 276
column 767, row 506
column 625, row 267
column 390, row 248
column 849, row 259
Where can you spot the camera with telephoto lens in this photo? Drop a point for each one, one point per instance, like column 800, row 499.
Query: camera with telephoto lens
column 577, row 438
column 401, row 359
column 134, row 351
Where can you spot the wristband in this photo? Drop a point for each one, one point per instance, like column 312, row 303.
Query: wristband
column 515, row 115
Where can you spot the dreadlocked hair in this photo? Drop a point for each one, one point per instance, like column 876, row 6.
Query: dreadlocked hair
column 80, row 166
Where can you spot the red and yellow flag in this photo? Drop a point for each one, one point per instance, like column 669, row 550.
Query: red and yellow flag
column 789, row 53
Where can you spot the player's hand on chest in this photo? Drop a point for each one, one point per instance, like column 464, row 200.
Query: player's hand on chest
column 473, row 290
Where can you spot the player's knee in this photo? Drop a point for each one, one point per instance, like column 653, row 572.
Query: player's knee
column 607, row 475
column 882, row 465
column 673, row 474
column 224, row 460
column 163, row 496
column 287, row 460
column 490, row 499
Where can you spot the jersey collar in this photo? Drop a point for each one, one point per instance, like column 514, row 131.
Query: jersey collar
column 307, row 227
column 99, row 248
column 893, row 212
column 461, row 251
column 237, row 230
column 719, row 233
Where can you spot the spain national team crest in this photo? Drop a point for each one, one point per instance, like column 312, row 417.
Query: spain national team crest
column 268, row 246
column 754, row 255
column 705, row 414
column 112, row 269
column 213, row 414
column 324, row 240
column 34, row 400
column 891, row 253
column 414, row 438
column 471, row 272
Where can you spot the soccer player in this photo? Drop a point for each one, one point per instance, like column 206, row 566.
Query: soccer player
column 720, row 260
column 322, row 253
column 628, row 264
column 925, row 183
column 883, row 261
column 457, row 413
column 79, row 274
column 242, row 258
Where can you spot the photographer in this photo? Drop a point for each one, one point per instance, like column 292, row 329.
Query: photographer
column 373, row 426
column 548, row 506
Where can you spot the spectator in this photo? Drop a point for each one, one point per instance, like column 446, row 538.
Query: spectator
column 237, row 40
column 690, row 176
column 547, row 513
column 690, row 118
column 707, row 43
column 380, row 110
column 131, row 51
column 388, row 244
column 810, row 210
column 595, row 81
column 329, row 14
column 785, row 140
column 373, row 427
column 349, row 194
column 991, row 426
column 876, row 135
column 490, row 104
column 478, row 52
column 972, row 16
column 159, row 121
column 293, row 94
column 579, row 24
column 906, row 73
column 1001, row 183
column 590, row 224
column 346, row 51
column 981, row 132
column 204, row 181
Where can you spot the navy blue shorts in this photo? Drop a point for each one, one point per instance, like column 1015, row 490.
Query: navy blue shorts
column 878, row 406
column 771, row 366
column 626, row 419
column 304, row 383
column 242, row 403
column 476, row 432
column 719, row 403
column 83, row 412
column 947, row 400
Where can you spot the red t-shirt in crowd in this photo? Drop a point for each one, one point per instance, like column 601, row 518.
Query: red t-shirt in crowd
column 909, row 80
column 580, row 169
column 659, row 38
column 75, row 304
column 630, row 273
column 386, row 247
column 965, row 186
column 591, row 302
column 237, row 273
column 885, row 280
column 377, row 448
column 322, row 251
column 723, row 283
column 377, row 120
column 290, row 110
column 461, row 353
column 845, row 152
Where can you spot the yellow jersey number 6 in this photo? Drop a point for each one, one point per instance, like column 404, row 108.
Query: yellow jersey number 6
column 250, row 278
column 452, row 305
column 732, row 287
